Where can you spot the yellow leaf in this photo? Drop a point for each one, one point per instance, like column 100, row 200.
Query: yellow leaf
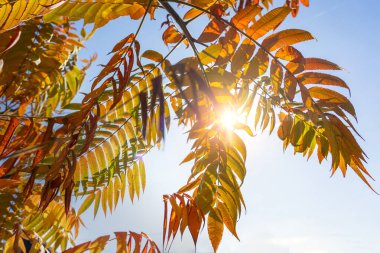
column 289, row 53
column 152, row 55
column 98, row 245
column 210, row 54
column 104, row 200
column 215, row 228
column 131, row 187
column 110, row 196
column 227, row 219
column 136, row 179
column 268, row 22
column 142, row 174
column 86, row 203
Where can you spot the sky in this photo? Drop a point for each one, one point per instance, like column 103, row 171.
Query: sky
column 293, row 205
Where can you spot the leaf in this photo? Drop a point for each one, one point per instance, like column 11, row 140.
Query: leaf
column 210, row 54
column 4, row 142
column 98, row 245
column 10, row 40
column 131, row 186
column 188, row 158
column 99, row 13
column 205, row 196
column 268, row 22
column 227, row 219
column 142, row 174
column 193, row 12
column 144, row 112
column 14, row 13
column 110, row 194
column 190, row 185
column 286, row 38
column 104, row 200
column 121, row 238
column 97, row 202
column 152, row 55
column 305, row 2
column 320, row 64
column 258, row 65
column 215, row 228
column 289, row 53
column 321, row 78
column 171, row 35
column 86, row 203
column 8, row 183
column 332, row 97
column 136, row 179
column 242, row 55
column 276, row 77
column 212, row 31
column 290, row 86
column 244, row 16
column 194, row 222
column 121, row 44
column 285, row 127
column 79, row 248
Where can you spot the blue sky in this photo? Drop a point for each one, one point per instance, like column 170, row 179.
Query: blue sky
column 293, row 206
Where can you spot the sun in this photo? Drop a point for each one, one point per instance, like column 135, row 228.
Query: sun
column 229, row 118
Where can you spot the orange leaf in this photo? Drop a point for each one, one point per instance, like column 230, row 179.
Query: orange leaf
column 215, row 228
column 13, row 123
column 286, row 38
column 121, row 238
column 320, row 64
column 321, row 78
column 171, row 35
column 194, row 222
column 244, row 16
column 212, row 31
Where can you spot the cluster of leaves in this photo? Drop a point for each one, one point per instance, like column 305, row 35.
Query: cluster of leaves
column 36, row 231
column 52, row 150
column 126, row 241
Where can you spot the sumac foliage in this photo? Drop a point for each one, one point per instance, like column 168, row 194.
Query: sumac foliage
column 52, row 150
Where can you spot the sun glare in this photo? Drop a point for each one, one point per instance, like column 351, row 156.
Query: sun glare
column 229, row 118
